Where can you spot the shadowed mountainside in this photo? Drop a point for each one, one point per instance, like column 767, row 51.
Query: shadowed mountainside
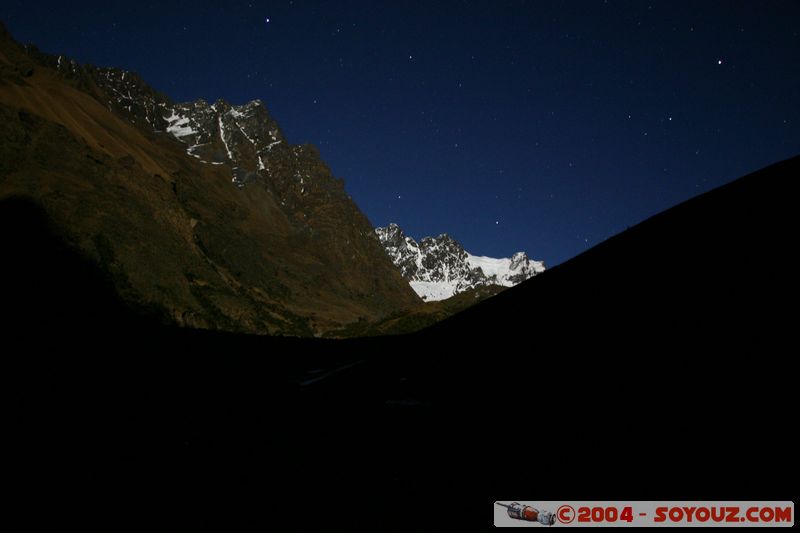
column 418, row 317
column 715, row 265
column 617, row 375
column 271, row 253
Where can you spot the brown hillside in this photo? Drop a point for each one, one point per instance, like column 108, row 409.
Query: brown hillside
column 174, row 234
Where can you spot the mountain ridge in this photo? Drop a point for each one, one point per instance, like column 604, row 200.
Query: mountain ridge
column 280, row 250
column 439, row 267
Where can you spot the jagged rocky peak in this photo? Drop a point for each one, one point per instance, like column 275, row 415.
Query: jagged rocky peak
column 403, row 251
column 391, row 234
column 290, row 253
column 126, row 93
column 244, row 136
column 248, row 140
column 121, row 91
column 439, row 267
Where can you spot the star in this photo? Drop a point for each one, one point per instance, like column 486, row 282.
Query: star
column 267, row 20
column 719, row 61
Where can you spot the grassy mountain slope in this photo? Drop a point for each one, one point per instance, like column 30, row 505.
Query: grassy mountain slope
column 173, row 233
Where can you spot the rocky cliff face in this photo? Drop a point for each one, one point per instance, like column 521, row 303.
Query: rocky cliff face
column 439, row 267
column 202, row 213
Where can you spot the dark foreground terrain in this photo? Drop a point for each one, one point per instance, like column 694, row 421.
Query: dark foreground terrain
column 654, row 366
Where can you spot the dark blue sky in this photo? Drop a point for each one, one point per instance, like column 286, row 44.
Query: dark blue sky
column 544, row 126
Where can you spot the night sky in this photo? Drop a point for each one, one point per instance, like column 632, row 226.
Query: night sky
column 544, row 126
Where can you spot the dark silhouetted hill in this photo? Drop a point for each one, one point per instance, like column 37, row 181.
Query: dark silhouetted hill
column 657, row 365
column 716, row 270
column 647, row 366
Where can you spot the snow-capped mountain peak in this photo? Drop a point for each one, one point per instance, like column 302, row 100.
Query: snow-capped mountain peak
column 243, row 136
column 439, row 267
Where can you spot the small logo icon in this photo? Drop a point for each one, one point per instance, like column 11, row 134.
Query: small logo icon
column 518, row 511
column 565, row 514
